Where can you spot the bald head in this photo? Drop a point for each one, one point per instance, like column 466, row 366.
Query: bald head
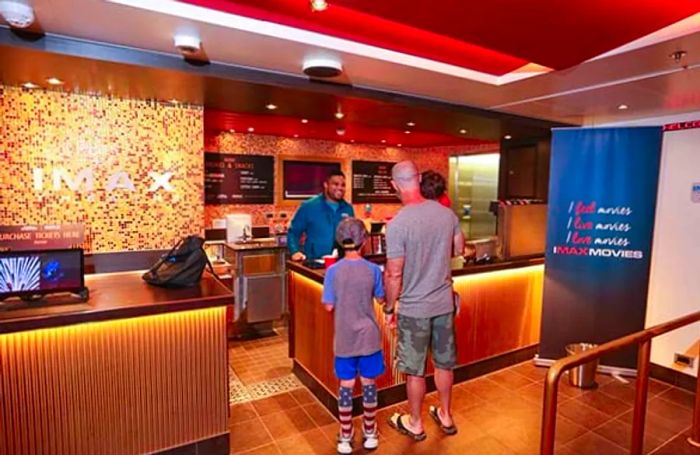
column 405, row 174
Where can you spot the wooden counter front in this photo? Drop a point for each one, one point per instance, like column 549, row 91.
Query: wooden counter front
column 499, row 315
column 136, row 369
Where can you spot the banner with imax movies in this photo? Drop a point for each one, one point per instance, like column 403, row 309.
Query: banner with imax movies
column 602, row 199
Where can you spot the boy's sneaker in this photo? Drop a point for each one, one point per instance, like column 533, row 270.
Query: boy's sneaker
column 370, row 441
column 344, row 444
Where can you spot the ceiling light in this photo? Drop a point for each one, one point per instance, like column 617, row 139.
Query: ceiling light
column 322, row 67
column 339, row 115
column 17, row 14
column 507, row 137
column 187, row 44
column 231, row 130
column 398, row 145
column 251, row 129
column 271, row 107
column 623, row 107
column 678, row 56
column 304, row 120
column 340, row 131
column 352, row 140
column 383, row 141
column 54, row 81
column 319, row 5
column 173, row 101
column 462, row 131
column 296, row 135
column 406, row 132
column 30, row 85
column 410, row 124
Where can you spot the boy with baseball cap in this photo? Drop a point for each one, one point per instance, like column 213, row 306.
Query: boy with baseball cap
column 349, row 287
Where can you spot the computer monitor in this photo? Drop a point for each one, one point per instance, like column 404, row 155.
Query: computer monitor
column 27, row 274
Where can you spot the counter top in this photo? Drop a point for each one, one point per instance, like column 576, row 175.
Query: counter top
column 470, row 269
column 253, row 245
column 114, row 296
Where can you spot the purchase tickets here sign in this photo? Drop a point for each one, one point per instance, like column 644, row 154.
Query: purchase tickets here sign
column 41, row 236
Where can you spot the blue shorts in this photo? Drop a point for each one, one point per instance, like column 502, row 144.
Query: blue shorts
column 368, row 366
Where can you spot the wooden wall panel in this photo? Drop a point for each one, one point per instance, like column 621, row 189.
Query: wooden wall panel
column 118, row 387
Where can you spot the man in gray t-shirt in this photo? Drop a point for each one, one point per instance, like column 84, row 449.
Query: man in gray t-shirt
column 420, row 241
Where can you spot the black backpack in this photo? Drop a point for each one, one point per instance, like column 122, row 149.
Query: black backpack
column 182, row 266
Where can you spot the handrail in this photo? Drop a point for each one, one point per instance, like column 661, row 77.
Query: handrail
column 643, row 339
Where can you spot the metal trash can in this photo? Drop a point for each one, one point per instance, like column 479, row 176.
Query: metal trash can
column 582, row 376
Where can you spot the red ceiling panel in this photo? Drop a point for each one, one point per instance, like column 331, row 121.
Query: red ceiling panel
column 216, row 121
column 492, row 36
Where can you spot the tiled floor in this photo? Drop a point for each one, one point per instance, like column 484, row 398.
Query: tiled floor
column 496, row 414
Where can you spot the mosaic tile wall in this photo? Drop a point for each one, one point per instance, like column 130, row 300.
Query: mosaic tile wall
column 435, row 158
column 52, row 130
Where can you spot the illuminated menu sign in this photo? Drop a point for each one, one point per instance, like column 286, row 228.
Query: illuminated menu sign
column 41, row 236
column 371, row 182
column 238, row 179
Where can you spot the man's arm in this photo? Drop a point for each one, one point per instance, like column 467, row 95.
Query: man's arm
column 458, row 244
column 393, row 279
column 296, row 228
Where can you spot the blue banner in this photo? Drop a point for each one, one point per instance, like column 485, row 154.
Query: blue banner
column 602, row 200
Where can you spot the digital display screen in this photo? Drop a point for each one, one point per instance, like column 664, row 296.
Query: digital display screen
column 304, row 179
column 26, row 273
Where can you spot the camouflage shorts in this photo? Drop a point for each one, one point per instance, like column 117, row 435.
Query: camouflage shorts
column 414, row 337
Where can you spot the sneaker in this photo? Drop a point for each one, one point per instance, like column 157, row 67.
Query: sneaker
column 370, row 441
column 344, row 444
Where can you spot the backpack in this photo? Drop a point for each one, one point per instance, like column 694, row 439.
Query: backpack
column 182, row 266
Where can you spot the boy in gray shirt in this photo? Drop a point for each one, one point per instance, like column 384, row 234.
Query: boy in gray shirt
column 349, row 287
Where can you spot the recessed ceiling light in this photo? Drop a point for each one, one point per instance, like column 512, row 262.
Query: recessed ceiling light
column 30, row 85
column 339, row 115
column 231, row 130
column 319, row 5
column 410, row 124
column 296, row 135
column 398, row 145
column 54, row 81
column 406, row 132
column 383, row 141
column 507, row 137
column 304, row 120
column 251, row 129
column 462, row 131
column 352, row 140
column 623, row 107
column 271, row 107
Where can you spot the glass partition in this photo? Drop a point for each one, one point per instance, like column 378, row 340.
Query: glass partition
column 473, row 185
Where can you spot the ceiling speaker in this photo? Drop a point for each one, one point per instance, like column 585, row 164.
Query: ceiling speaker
column 323, row 67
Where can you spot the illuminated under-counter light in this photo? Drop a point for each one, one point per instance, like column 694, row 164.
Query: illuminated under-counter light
column 251, row 129
column 507, row 137
column 30, row 85
column 54, row 81
column 623, row 107
column 304, row 120
column 271, row 107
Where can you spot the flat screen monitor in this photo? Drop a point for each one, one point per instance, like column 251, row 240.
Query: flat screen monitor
column 304, row 179
column 41, row 272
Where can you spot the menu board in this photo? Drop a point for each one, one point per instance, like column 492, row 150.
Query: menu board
column 238, row 179
column 371, row 182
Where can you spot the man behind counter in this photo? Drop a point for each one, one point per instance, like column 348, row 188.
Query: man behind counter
column 318, row 218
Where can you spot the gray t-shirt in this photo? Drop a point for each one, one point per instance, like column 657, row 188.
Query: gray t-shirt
column 423, row 235
column 350, row 285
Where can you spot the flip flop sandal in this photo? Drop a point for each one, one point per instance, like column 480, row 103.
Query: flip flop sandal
column 451, row 430
column 396, row 423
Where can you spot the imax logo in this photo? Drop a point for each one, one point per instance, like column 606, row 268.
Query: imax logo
column 84, row 180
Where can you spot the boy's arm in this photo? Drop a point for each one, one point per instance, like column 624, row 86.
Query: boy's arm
column 328, row 297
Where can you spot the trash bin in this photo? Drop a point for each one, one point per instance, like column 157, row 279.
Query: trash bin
column 582, row 376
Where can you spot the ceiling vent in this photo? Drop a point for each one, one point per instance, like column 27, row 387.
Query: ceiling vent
column 322, row 67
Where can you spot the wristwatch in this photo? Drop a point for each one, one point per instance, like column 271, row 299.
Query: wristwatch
column 387, row 311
